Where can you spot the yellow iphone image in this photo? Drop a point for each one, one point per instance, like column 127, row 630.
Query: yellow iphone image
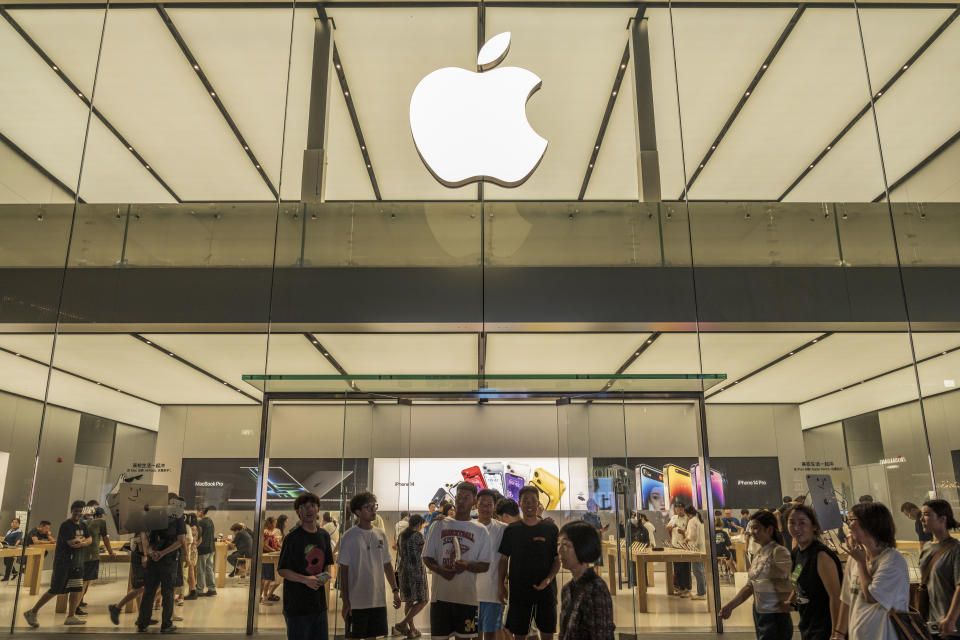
column 551, row 485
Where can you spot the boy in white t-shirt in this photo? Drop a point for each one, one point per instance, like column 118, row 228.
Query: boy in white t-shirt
column 490, row 612
column 364, row 555
column 457, row 550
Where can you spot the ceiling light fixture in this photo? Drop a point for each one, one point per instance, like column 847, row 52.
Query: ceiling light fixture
column 196, row 67
column 904, row 67
column 950, row 384
column 764, row 66
column 748, row 93
column 212, row 93
column 79, row 94
column 346, row 93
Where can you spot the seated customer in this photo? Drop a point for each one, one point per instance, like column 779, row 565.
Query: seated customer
column 243, row 545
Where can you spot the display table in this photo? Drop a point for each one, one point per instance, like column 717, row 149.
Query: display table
column 646, row 558
column 610, row 558
column 35, row 554
column 220, row 563
column 120, row 557
column 742, row 562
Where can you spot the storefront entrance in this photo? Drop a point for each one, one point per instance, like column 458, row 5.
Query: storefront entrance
column 612, row 446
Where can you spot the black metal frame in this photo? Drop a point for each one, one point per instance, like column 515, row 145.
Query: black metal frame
column 407, row 397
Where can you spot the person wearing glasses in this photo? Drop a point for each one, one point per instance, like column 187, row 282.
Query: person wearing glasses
column 364, row 562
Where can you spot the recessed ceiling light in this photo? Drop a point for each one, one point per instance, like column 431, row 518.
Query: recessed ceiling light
column 637, row 353
column 196, row 67
column 147, row 166
column 79, row 94
column 792, row 352
column 258, row 166
column 950, row 383
column 17, row 354
column 170, row 354
column 148, row 342
column 623, row 66
column 764, row 66
column 614, row 93
column 748, row 93
column 325, row 353
column 246, row 148
column 904, row 67
column 830, row 147
column 815, row 340
column 346, row 93
column 213, row 93
column 811, row 166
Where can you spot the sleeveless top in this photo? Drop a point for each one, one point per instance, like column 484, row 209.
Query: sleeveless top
column 814, row 601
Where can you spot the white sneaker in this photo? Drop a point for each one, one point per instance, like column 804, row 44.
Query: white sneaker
column 31, row 617
column 176, row 618
column 72, row 620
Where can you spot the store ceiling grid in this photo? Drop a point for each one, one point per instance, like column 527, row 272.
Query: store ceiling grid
column 815, row 85
column 812, row 378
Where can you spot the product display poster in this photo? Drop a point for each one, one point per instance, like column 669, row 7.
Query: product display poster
column 654, row 483
column 231, row 483
column 402, row 484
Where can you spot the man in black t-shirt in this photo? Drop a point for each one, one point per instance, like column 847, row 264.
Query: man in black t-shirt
column 304, row 558
column 531, row 562
column 67, row 575
column 162, row 546
column 206, row 585
column 38, row 534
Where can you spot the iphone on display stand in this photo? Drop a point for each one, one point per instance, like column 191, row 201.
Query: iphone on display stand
column 493, row 475
column 677, row 484
column 716, row 487
column 519, row 469
column 472, row 474
column 439, row 496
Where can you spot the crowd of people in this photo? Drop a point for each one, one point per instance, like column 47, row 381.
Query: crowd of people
column 486, row 566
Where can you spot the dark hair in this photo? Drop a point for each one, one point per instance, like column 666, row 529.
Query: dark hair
column 718, row 522
column 769, row 521
column 191, row 519
column 943, row 510
column 415, row 521
column 445, row 506
column 643, row 517
column 909, row 506
column 469, row 486
column 282, row 522
column 585, row 540
column 487, row 492
column 207, row 509
column 327, row 517
column 528, row 489
column 876, row 520
column 77, row 504
column 92, row 503
column 237, row 526
column 17, row 520
column 306, row 498
column 361, row 500
column 270, row 520
column 44, row 523
column 508, row 506
column 404, row 514
column 865, row 498
column 691, row 510
column 811, row 516
column 431, row 503
column 744, row 512
column 787, row 499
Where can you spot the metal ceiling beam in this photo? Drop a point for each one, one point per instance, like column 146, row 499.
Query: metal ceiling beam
column 792, row 352
column 352, row 110
column 215, row 97
column 866, row 108
column 78, row 376
column 611, row 101
column 86, row 101
column 333, row 361
column 920, row 165
column 633, row 357
column 39, row 167
column 880, row 375
column 582, row 4
column 751, row 88
column 197, row 368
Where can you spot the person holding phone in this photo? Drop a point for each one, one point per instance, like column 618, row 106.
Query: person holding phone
column 305, row 556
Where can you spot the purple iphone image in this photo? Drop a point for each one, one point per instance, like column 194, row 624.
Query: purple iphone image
column 514, row 484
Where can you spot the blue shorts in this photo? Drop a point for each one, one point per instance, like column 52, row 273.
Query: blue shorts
column 490, row 617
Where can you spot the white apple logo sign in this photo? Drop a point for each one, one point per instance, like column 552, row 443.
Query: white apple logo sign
column 473, row 126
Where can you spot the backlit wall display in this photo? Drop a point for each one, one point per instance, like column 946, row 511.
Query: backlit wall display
column 231, row 483
column 403, row 484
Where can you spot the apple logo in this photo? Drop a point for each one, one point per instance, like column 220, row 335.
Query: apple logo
column 473, row 126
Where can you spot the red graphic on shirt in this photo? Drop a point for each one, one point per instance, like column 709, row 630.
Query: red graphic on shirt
column 314, row 560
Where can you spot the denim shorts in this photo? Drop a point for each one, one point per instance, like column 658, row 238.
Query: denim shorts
column 490, row 617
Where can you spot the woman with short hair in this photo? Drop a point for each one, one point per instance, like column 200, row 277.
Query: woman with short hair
column 768, row 581
column 875, row 581
column 940, row 563
column 816, row 576
column 586, row 609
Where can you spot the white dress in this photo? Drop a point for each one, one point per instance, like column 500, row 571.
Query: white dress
column 890, row 588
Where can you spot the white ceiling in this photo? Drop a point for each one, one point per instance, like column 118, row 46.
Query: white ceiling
column 149, row 92
column 126, row 363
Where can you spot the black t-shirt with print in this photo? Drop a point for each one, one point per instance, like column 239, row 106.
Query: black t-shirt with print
column 64, row 553
column 532, row 550
column 308, row 554
column 160, row 539
column 35, row 533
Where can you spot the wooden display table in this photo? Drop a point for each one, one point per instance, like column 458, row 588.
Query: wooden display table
column 742, row 562
column 610, row 555
column 220, row 563
column 646, row 559
column 34, row 568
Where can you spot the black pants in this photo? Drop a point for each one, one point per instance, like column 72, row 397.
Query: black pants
column 158, row 575
column 8, row 563
column 681, row 576
column 233, row 557
column 773, row 626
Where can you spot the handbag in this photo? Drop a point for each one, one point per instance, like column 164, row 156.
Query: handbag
column 910, row 625
column 919, row 597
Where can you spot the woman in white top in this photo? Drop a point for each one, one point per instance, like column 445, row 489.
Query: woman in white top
column 769, row 581
column 694, row 540
column 875, row 580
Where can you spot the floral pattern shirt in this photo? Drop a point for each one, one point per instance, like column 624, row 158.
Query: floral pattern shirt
column 586, row 609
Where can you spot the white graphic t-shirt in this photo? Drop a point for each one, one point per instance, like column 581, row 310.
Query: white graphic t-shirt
column 450, row 540
column 487, row 587
column 365, row 553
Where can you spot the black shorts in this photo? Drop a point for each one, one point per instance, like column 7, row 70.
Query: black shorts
column 544, row 611
column 137, row 572
column 453, row 619
column 91, row 570
column 367, row 623
column 66, row 579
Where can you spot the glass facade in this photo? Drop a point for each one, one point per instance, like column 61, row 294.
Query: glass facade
column 194, row 197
